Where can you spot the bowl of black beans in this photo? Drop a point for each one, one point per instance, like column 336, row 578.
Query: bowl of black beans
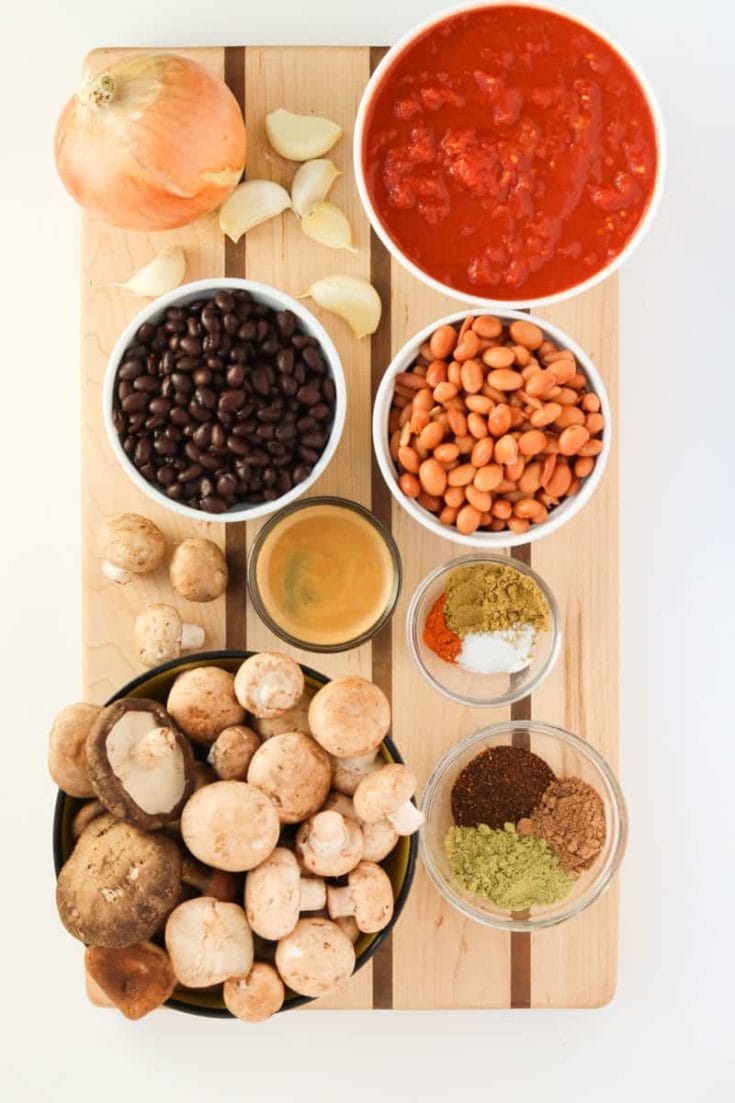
column 224, row 400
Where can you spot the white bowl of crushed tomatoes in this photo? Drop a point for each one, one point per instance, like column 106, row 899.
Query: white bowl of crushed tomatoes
column 508, row 155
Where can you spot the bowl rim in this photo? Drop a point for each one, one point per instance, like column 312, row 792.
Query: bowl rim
column 633, row 242
column 524, row 688
column 271, row 296
column 241, row 654
column 617, row 828
column 488, row 540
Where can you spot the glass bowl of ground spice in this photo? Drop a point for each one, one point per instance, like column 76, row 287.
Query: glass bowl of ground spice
column 484, row 629
column 525, row 825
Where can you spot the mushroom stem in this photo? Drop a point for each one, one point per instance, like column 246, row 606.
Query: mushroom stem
column 192, row 637
column 115, row 574
column 312, row 894
column 328, row 833
column 361, row 762
column 406, row 819
column 340, row 902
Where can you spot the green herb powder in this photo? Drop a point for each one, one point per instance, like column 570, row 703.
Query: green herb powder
column 511, row 870
column 489, row 598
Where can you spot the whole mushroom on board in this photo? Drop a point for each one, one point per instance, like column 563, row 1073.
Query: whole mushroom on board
column 135, row 979
column 378, row 838
column 232, row 752
column 368, row 897
column 316, row 958
column 269, row 683
column 230, row 825
column 387, row 794
column 347, row 773
column 255, row 997
column 329, row 845
column 198, row 570
column 129, row 544
column 276, row 893
column 159, row 634
column 67, row 741
column 349, row 716
column 140, row 765
column 118, row 884
column 295, row 773
column 202, row 702
column 208, row 941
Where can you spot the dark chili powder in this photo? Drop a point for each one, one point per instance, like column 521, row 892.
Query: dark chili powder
column 501, row 785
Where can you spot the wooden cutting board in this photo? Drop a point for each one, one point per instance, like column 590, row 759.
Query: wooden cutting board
column 435, row 958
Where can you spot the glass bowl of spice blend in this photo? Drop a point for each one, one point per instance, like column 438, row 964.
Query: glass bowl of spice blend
column 484, row 629
column 525, row 825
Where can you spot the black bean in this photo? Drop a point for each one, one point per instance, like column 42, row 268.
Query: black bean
column 193, row 471
column 130, row 369
column 134, row 403
column 206, row 396
column 199, row 412
column 308, row 394
column 230, row 401
column 224, row 301
column 260, row 381
column 202, row 376
column 191, row 345
column 166, row 476
column 301, row 472
column 160, row 407
column 286, row 322
column 210, row 462
column 181, row 382
column 143, row 451
column 179, row 416
column 308, row 455
column 219, row 438
column 192, row 452
column 226, row 486
column 329, row 391
column 235, row 376
column 313, row 359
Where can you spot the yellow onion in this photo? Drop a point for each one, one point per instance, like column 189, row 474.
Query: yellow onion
column 151, row 143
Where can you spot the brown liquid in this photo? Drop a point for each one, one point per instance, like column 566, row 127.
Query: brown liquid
column 325, row 575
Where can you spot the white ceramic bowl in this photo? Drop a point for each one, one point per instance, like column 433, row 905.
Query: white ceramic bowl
column 182, row 296
column 498, row 305
column 564, row 512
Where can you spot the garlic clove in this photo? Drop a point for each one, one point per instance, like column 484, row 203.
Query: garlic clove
column 300, row 137
column 312, row 183
column 328, row 225
column 162, row 274
column 252, row 202
column 351, row 298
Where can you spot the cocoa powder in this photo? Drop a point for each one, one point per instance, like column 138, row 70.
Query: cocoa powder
column 571, row 817
column 500, row 785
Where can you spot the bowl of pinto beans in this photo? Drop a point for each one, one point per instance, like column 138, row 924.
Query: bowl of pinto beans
column 492, row 430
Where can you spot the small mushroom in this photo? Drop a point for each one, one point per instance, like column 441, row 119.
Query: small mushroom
column 95, row 995
column 210, row 882
column 269, row 683
column 347, row 773
column 230, row 825
column 347, row 924
column 140, row 765
column 208, row 941
column 368, row 896
column 316, row 958
column 129, row 544
column 232, row 751
column 118, row 884
column 198, row 570
column 88, row 812
column 67, row 757
column 295, row 719
column 136, row 979
column 159, row 634
column 329, row 845
column 295, row 773
column 387, row 793
column 378, row 838
column 202, row 702
column 276, row 892
column 256, row 997
column 349, row 717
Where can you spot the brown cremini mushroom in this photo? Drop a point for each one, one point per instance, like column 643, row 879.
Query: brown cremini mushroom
column 159, row 634
column 202, row 702
column 276, row 892
column 256, row 997
column 347, row 773
column 95, row 995
column 118, row 884
column 208, row 941
column 129, row 544
column 136, row 979
column 295, row 773
column 140, row 765
column 198, row 570
column 269, row 683
column 230, row 825
column 329, row 845
column 378, row 838
column 387, row 794
column 88, row 812
column 232, row 751
column 295, row 719
column 350, row 717
column 368, row 896
column 210, row 882
column 67, row 755
column 316, row 958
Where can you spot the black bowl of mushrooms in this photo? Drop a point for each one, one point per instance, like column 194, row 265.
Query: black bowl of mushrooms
column 234, row 835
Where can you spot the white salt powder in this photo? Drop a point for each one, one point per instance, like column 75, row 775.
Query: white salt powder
column 505, row 652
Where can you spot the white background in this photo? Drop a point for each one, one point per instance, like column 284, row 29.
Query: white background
column 669, row 1032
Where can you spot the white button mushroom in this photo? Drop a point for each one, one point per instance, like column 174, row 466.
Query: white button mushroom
column 317, row 958
column 208, row 941
column 388, row 793
column 232, row 751
column 350, row 717
column 256, row 997
column 347, row 924
column 368, row 896
column 67, row 759
column 328, row 844
column 198, row 570
column 347, row 773
column 295, row 773
column 269, row 683
column 135, row 979
column 295, row 719
column 275, row 894
column 230, row 825
column 378, row 838
column 129, row 544
column 202, row 702
column 159, row 634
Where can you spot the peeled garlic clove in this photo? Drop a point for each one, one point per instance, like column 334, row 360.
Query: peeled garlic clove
column 252, row 202
column 300, row 137
column 328, row 225
column 162, row 274
column 312, row 183
column 352, row 298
